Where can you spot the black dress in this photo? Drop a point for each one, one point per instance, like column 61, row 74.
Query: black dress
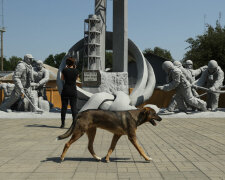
column 69, row 92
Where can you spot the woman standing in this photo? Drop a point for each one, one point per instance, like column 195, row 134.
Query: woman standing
column 69, row 92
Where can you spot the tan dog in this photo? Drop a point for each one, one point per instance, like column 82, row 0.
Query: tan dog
column 119, row 123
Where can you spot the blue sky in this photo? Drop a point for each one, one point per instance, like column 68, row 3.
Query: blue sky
column 43, row 27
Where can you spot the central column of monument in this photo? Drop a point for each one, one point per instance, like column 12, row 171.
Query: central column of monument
column 100, row 11
column 120, row 37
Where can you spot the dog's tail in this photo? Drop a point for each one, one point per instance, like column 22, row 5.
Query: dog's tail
column 68, row 132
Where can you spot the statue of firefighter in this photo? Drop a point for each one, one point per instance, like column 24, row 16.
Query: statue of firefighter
column 184, row 96
column 22, row 79
column 212, row 78
column 40, row 78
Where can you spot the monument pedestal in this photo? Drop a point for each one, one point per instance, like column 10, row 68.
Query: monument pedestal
column 110, row 82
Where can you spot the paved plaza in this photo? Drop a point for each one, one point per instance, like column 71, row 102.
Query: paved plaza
column 180, row 148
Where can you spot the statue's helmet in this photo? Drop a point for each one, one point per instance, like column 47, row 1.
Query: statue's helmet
column 39, row 62
column 167, row 65
column 212, row 64
column 28, row 58
column 188, row 62
column 177, row 64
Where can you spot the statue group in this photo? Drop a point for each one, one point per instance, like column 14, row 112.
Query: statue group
column 185, row 80
column 28, row 91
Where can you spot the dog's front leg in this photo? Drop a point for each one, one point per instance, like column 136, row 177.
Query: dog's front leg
column 112, row 147
column 133, row 140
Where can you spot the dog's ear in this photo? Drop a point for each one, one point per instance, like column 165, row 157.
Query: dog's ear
column 142, row 116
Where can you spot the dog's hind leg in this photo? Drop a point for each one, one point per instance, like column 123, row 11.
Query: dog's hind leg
column 133, row 140
column 74, row 137
column 112, row 146
column 91, row 136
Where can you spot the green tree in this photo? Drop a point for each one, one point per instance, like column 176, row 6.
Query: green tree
column 14, row 61
column 108, row 59
column 159, row 52
column 10, row 65
column 55, row 60
column 210, row 45
column 6, row 65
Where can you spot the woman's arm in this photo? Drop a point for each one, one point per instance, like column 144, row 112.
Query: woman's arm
column 62, row 77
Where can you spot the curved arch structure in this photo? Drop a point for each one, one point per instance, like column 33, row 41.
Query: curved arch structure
column 145, row 78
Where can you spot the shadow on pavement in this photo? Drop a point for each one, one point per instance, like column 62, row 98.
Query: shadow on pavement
column 42, row 125
column 120, row 160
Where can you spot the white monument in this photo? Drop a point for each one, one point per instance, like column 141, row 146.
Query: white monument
column 110, row 85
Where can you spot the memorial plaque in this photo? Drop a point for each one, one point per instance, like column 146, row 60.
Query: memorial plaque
column 91, row 78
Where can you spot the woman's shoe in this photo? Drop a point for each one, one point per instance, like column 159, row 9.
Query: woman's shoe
column 62, row 124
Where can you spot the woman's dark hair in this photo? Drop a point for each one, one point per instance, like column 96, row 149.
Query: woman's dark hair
column 70, row 61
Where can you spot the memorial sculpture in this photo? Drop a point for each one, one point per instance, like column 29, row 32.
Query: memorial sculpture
column 104, row 94
column 177, row 80
column 212, row 78
column 22, row 78
column 173, row 104
column 190, row 75
column 120, row 44
column 28, row 81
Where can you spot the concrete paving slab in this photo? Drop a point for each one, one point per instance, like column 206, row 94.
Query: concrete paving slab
column 181, row 148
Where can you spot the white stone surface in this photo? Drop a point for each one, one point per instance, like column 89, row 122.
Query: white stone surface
column 56, row 114
column 153, row 107
column 111, row 82
column 121, row 103
column 96, row 100
column 145, row 77
column 208, row 114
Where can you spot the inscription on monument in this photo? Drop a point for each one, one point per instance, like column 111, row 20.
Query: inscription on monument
column 91, row 78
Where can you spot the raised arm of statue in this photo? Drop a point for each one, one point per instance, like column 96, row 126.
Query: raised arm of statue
column 45, row 79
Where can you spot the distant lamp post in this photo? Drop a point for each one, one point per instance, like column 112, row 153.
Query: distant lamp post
column 2, row 30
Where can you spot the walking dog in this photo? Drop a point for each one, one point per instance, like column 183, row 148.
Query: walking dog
column 119, row 123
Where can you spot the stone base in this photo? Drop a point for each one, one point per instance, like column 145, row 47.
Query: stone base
column 111, row 82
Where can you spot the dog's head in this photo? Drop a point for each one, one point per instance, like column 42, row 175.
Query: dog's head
column 148, row 114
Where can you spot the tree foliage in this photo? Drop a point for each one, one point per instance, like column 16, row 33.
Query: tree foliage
column 159, row 52
column 55, row 60
column 108, row 59
column 10, row 64
column 210, row 45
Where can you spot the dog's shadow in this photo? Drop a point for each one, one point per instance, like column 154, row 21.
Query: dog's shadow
column 121, row 160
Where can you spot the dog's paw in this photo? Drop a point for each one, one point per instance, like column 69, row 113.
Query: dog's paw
column 98, row 158
column 148, row 159
column 62, row 159
column 106, row 160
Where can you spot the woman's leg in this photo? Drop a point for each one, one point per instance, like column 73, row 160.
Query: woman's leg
column 63, row 110
column 73, row 104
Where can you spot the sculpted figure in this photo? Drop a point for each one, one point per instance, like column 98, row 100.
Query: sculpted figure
column 7, row 88
column 178, row 81
column 173, row 104
column 22, row 78
column 193, row 72
column 212, row 78
column 40, row 78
